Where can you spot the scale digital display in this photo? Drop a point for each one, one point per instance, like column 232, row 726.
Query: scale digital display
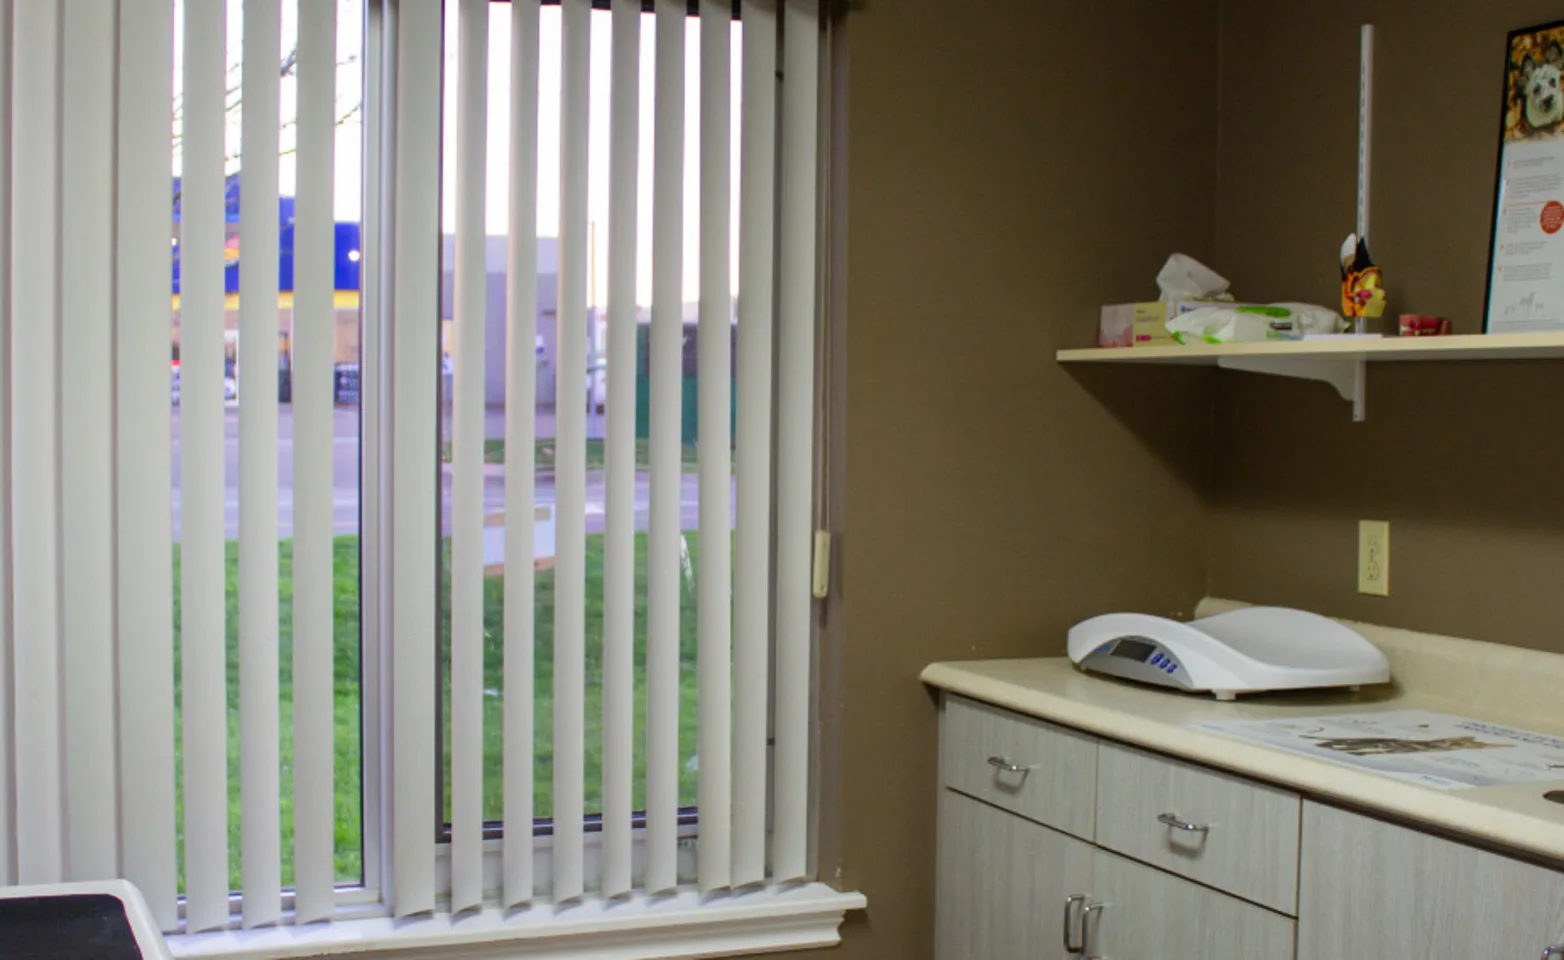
column 1131, row 649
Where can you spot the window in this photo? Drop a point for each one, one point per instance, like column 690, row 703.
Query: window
column 491, row 510
column 322, row 462
column 538, row 570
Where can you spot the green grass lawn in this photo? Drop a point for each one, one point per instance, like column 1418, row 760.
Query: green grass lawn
column 494, row 452
column 349, row 857
column 349, row 861
column 543, row 699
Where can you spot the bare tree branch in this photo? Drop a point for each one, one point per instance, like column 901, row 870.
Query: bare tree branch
column 233, row 96
column 352, row 112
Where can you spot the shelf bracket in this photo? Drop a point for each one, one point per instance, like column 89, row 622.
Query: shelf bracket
column 1348, row 375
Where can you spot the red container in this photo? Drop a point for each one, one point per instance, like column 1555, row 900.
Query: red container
column 1424, row 325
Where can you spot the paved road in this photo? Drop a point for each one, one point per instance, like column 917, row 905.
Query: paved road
column 345, row 455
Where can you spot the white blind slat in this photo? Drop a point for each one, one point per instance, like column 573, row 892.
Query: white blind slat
column 467, row 461
column 795, row 436
column 260, row 832
column 714, row 352
column 376, row 279
column 145, row 515
column 752, row 546
column 87, row 406
column 520, row 453
column 416, row 305
column 664, row 395
column 7, row 783
column 40, row 796
column 203, row 611
column 570, row 462
column 314, row 324
column 619, row 556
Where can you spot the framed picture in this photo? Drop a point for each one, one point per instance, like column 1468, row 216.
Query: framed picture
column 1526, row 250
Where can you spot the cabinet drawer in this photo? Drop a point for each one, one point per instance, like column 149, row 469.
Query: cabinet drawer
column 1147, row 914
column 1058, row 775
column 1245, row 839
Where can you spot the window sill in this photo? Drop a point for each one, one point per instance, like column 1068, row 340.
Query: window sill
column 639, row 928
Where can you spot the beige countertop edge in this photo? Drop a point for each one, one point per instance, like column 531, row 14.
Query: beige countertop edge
column 1447, row 811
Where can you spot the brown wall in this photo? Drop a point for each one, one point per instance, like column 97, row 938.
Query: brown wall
column 1460, row 458
column 1011, row 167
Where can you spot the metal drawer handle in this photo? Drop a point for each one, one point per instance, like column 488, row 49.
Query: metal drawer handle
column 1069, row 914
column 1006, row 765
column 1172, row 820
column 1557, row 950
column 1086, row 930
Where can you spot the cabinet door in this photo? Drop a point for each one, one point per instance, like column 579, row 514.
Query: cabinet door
column 1151, row 915
column 1370, row 889
column 1002, row 883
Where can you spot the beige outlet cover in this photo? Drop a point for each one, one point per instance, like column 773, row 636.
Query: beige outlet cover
column 1374, row 557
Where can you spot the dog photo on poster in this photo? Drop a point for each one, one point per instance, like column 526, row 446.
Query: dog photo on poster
column 1526, row 254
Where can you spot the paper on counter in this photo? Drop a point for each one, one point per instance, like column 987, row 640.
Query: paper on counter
column 1437, row 750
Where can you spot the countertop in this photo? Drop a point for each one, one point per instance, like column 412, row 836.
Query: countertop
column 1483, row 681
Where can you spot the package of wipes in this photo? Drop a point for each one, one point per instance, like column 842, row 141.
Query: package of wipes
column 1232, row 323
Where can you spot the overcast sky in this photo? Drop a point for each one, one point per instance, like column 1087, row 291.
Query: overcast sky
column 350, row 132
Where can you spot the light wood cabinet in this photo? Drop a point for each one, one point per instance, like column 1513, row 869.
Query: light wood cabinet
column 1371, row 889
column 1273, row 879
column 1148, row 914
column 1003, row 883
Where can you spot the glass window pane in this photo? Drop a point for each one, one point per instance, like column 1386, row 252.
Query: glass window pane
column 345, row 433
column 593, row 386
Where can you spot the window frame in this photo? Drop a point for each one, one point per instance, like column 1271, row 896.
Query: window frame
column 371, row 898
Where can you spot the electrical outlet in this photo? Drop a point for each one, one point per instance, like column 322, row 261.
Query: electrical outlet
column 1374, row 557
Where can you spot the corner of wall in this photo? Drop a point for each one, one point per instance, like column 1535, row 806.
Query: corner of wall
column 1216, row 151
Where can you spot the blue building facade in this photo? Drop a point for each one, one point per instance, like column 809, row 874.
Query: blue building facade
column 347, row 243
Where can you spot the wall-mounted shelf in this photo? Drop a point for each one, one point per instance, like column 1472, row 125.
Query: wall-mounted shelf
column 1342, row 363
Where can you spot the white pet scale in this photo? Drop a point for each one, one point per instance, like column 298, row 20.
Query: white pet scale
column 1250, row 650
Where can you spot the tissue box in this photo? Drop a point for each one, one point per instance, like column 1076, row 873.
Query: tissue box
column 1142, row 324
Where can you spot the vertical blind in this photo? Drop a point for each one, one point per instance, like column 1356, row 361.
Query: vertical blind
column 35, row 516
column 735, row 621
column 521, row 277
column 619, row 549
column 87, row 660
column 143, row 509
column 8, row 769
column 203, row 667
column 313, row 577
column 663, row 393
column 415, row 212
